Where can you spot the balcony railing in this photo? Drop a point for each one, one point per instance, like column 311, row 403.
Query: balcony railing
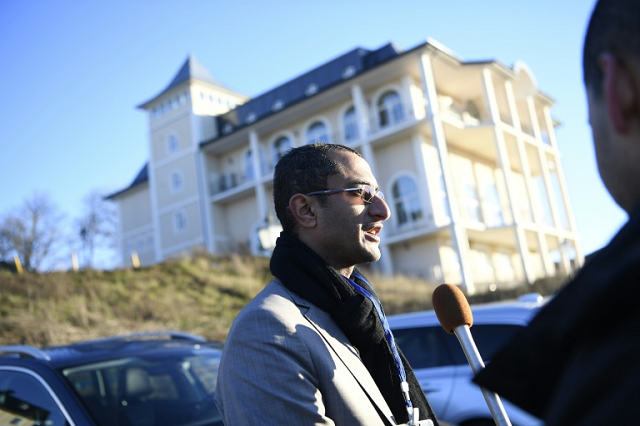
column 221, row 182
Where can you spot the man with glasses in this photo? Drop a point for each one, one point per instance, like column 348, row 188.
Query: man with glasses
column 314, row 346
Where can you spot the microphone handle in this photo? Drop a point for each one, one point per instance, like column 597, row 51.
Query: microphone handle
column 463, row 333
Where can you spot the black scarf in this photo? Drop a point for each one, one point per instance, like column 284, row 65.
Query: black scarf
column 305, row 273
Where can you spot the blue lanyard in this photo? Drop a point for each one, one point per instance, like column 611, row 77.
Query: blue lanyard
column 388, row 335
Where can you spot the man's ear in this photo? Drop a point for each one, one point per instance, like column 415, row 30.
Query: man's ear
column 303, row 210
column 619, row 90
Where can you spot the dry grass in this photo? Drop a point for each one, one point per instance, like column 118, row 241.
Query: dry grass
column 200, row 295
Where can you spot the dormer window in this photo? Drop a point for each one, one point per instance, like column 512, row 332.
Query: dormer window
column 277, row 105
column 348, row 72
column 251, row 117
column 311, row 89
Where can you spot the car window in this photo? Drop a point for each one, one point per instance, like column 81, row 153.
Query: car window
column 428, row 347
column 424, row 347
column 167, row 390
column 25, row 401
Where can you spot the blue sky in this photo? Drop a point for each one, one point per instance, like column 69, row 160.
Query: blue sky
column 74, row 72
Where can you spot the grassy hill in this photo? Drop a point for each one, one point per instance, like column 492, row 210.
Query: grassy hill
column 199, row 294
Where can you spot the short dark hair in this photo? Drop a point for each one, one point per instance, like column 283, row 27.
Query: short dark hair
column 303, row 170
column 614, row 27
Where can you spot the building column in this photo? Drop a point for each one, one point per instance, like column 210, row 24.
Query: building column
column 153, row 194
column 205, row 203
column 261, row 198
column 544, row 248
column 563, row 187
column 362, row 113
column 521, row 238
column 426, row 193
column 459, row 236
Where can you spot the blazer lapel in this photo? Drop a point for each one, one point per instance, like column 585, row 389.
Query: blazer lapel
column 346, row 352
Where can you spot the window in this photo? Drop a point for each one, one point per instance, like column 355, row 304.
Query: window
column 544, row 206
column 390, row 109
column 504, row 267
column 472, row 202
column 493, row 209
column 483, row 271
column 24, row 399
column 406, row 201
column 280, row 147
column 311, row 89
column 428, row 347
column 442, row 196
column 180, row 222
column 249, row 170
column 176, row 182
column 348, row 72
column 559, row 200
column 350, row 125
column 317, row 133
column 277, row 105
column 172, row 143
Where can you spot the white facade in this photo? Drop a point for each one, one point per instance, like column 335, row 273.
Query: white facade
column 465, row 153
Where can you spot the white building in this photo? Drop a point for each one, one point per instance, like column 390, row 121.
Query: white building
column 465, row 153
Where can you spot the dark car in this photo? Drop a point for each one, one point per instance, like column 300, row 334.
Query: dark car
column 158, row 378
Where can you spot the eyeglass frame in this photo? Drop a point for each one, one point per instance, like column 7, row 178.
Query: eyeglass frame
column 376, row 193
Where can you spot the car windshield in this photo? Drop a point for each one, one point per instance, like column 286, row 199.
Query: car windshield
column 174, row 390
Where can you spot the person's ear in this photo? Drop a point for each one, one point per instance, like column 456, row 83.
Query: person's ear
column 619, row 90
column 303, row 210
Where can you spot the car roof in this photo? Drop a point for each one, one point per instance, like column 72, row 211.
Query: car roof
column 518, row 312
column 115, row 347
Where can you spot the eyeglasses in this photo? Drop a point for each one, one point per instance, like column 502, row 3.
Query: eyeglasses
column 366, row 192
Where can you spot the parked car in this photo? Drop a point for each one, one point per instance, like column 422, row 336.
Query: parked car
column 159, row 378
column 441, row 366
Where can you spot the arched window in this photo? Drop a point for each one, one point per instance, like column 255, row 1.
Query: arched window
column 390, row 109
column 280, row 147
column 176, row 182
column 179, row 222
column 317, row 133
column 406, row 201
column 249, row 171
column 350, row 125
column 172, row 143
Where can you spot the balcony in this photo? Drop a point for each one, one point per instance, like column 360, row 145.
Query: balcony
column 468, row 112
column 221, row 182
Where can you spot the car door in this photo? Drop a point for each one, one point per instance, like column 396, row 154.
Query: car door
column 431, row 361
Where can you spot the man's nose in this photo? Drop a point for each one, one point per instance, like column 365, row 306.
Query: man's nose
column 379, row 208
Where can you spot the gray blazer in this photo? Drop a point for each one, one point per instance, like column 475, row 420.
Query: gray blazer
column 286, row 362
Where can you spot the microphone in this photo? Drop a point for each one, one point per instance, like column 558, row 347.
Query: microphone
column 454, row 314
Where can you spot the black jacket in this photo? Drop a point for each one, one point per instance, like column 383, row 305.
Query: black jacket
column 578, row 362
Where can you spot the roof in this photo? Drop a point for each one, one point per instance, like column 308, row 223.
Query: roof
column 191, row 69
column 325, row 76
column 141, row 178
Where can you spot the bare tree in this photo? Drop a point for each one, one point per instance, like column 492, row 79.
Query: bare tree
column 31, row 232
column 97, row 225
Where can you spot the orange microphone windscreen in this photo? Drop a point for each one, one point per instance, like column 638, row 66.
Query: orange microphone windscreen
column 452, row 308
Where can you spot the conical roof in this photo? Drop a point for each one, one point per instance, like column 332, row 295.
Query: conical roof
column 190, row 69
